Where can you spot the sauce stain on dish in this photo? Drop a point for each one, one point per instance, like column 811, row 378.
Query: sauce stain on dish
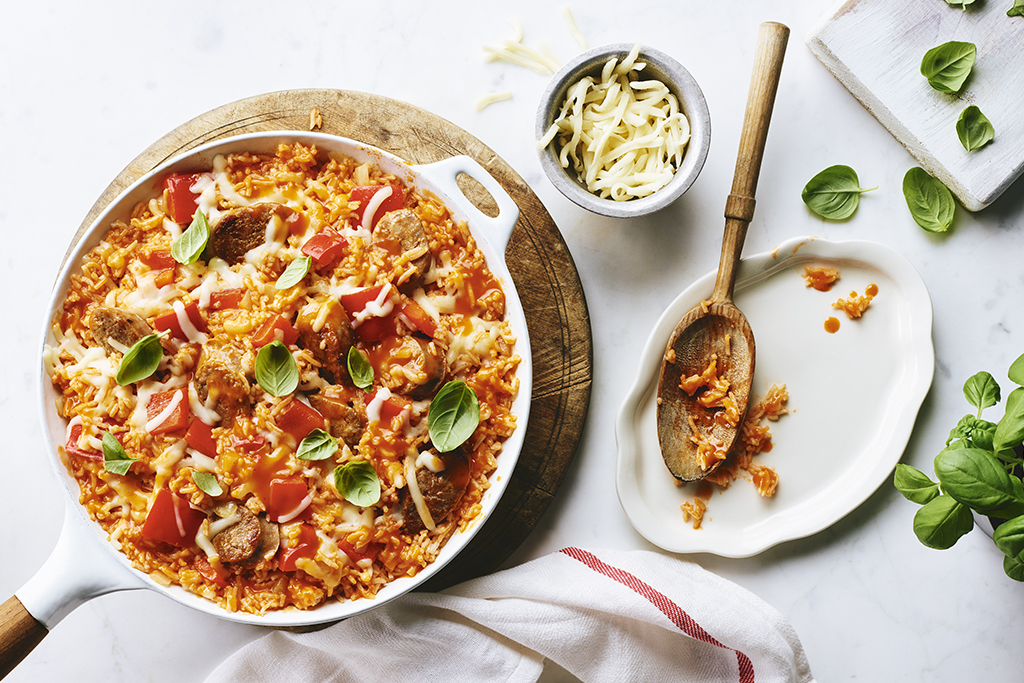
column 832, row 325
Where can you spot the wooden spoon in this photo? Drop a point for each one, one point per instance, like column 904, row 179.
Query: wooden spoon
column 716, row 330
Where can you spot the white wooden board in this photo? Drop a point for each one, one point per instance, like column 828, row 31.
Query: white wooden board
column 874, row 48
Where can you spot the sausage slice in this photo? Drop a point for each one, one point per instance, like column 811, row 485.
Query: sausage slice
column 404, row 228
column 418, row 367
column 442, row 491
column 326, row 332
column 239, row 230
column 239, row 541
column 346, row 418
column 121, row 326
column 219, row 377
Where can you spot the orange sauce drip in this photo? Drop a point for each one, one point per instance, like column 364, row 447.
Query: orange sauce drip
column 872, row 290
column 832, row 325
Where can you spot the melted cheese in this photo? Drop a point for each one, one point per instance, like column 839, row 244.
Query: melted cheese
column 415, row 493
column 370, row 212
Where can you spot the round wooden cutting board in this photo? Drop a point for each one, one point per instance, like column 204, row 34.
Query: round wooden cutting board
column 541, row 267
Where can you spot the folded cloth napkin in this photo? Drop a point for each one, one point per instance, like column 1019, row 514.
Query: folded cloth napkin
column 600, row 616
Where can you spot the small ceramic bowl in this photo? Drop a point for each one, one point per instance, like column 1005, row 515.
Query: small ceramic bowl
column 659, row 66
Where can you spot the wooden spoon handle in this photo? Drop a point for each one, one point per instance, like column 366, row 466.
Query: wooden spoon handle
column 739, row 208
column 19, row 634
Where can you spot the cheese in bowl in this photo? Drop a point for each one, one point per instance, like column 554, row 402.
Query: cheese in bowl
column 285, row 379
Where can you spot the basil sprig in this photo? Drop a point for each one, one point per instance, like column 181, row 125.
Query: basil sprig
column 453, row 416
column 930, row 202
column 276, row 370
column 1017, row 10
column 834, row 193
column 318, row 445
column 207, row 483
column 974, row 129
column 359, row 368
column 294, row 273
column 141, row 360
column 947, row 66
column 358, row 483
column 977, row 472
column 115, row 458
column 962, row 4
column 190, row 244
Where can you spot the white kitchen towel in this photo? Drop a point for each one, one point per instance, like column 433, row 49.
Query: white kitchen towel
column 599, row 615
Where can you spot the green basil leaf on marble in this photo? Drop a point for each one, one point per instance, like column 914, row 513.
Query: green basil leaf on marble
column 914, row 484
column 834, row 193
column 981, row 391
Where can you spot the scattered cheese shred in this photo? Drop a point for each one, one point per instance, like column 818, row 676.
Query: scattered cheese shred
column 514, row 51
column 489, row 99
column 574, row 29
column 624, row 137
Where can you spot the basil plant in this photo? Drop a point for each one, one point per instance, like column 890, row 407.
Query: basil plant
column 979, row 471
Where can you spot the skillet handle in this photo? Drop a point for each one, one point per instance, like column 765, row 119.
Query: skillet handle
column 20, row 632
column 80, row 568
column 444, row 175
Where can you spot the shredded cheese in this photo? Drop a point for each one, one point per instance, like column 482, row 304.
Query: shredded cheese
column 414, row 491
column 625, row 138
column 491, row 98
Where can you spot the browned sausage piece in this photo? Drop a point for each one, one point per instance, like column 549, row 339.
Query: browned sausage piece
column 423, row 368
column 239, row 230
column 346, row 419
column 241, row 540
column 124, row 328
column 219, row 375
column 270, row 540
column 441, row 491
column 326, row 332
column 404, row 228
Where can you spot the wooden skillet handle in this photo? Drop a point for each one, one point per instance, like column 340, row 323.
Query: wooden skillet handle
column 20, row 632
column 739, row 208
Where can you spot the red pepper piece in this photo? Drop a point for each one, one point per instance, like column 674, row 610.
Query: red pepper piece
column 299, row 419
column 325, row 248
column 200, row 437
column 172, row 520
column 275, row 328
column 226, row 298
column 364, row 194
column 178, row 419
column 285, row 497
column 307, row 546
column 168, row 322
column 183, row 202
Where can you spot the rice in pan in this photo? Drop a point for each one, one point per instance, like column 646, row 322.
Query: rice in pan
column 248, row 413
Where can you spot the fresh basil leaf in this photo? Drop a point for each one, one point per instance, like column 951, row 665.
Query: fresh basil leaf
column 190, row 244
column 357, row 482
column 1013, row 568
column 359, row 368
column 962, row 4
column 982, row 435
column 974, row 129
column 141, row 360
column 947, row 66
column 453, row 416
column 1016, row 11
column 914, row 484
column 975, row 478
column 930, row 202
column 207, row 483
column 1009, row 537
column 1016, row 372
column 1010, row 428
column 276, row 370
column 294, row 273
column 981, row 391
column 941, row 522
column 318, row 445
column 834, row 193
column 115, row 458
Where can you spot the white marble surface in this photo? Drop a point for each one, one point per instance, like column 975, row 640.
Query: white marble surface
column 84, row 89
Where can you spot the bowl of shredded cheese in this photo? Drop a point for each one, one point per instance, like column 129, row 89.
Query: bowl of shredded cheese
column 623, row 130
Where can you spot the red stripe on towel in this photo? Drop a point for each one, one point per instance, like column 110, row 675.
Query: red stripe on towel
column 674, row 612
